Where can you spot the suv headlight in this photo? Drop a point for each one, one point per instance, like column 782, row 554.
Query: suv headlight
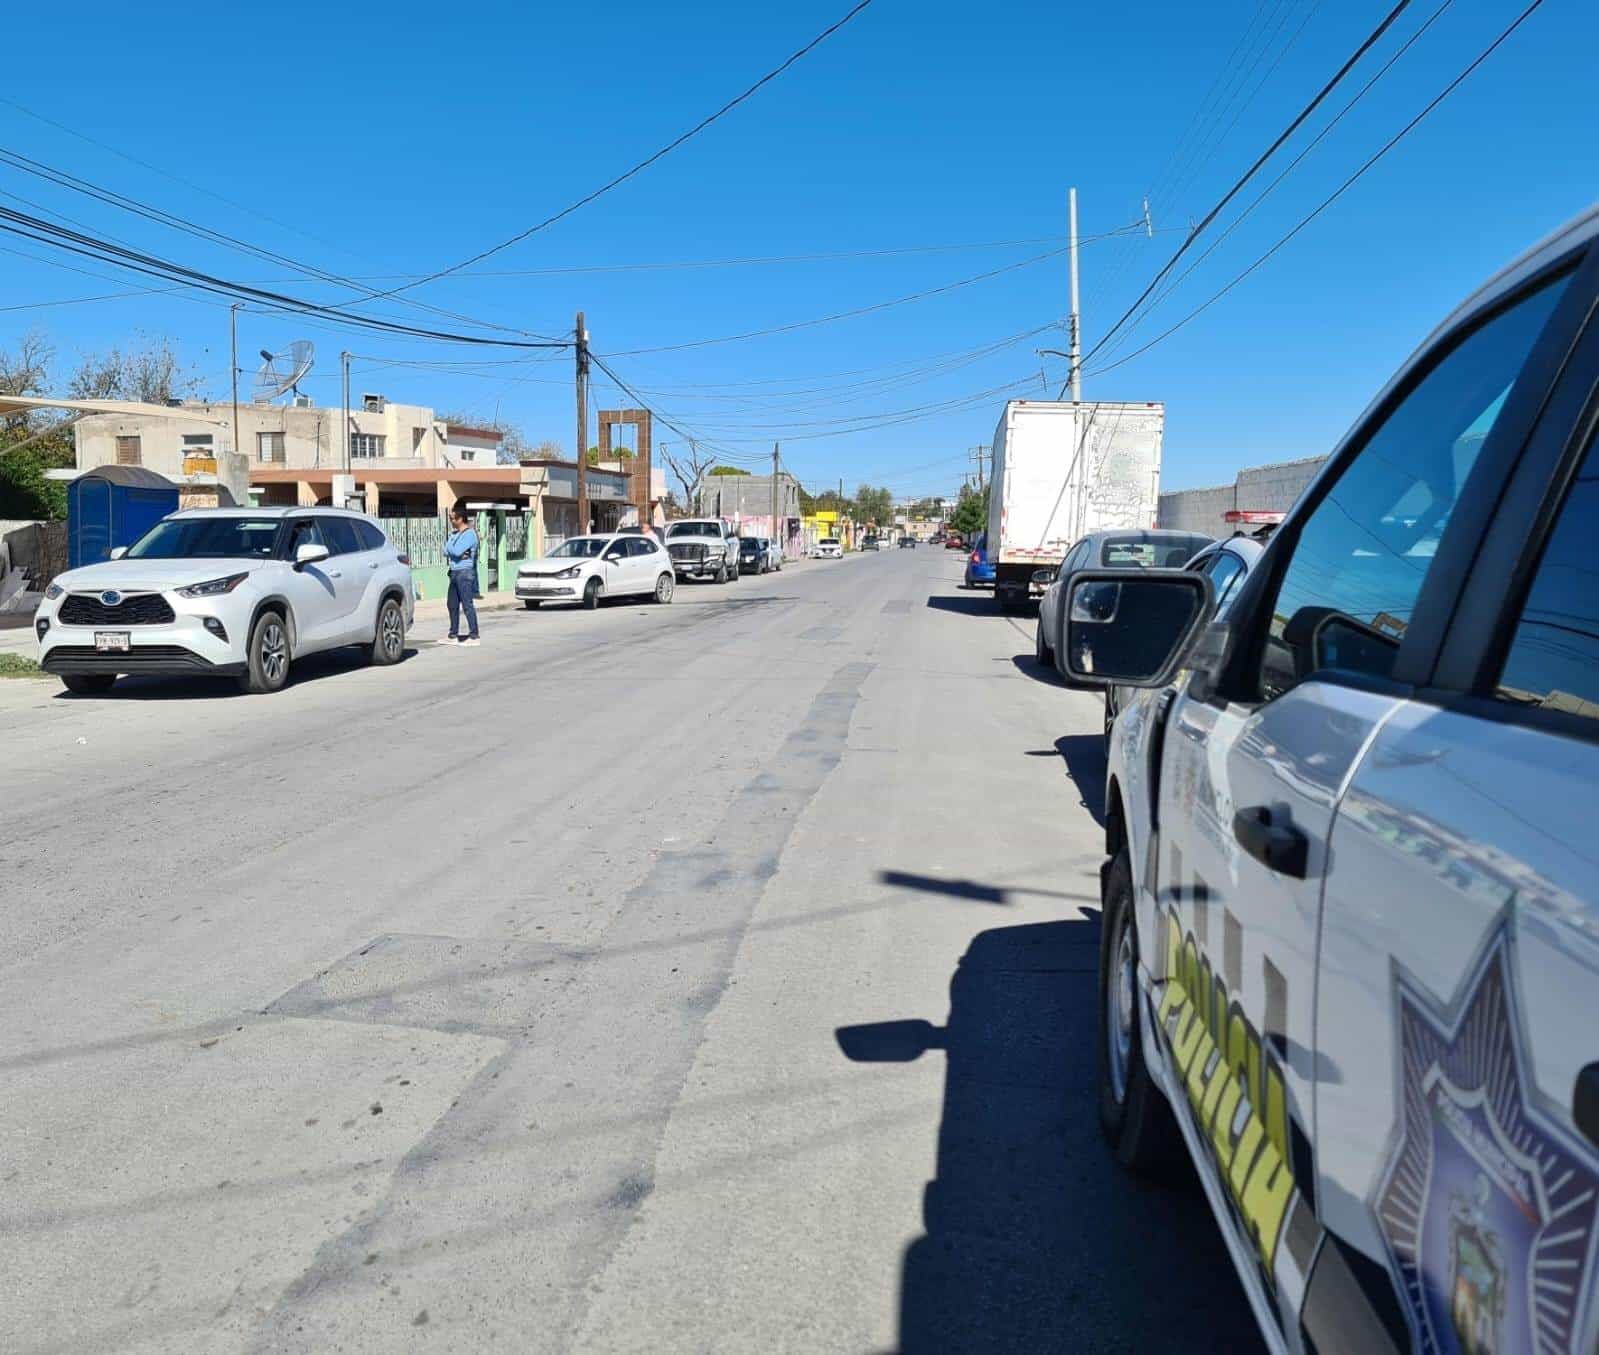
column 212, row 587
column 54, row 591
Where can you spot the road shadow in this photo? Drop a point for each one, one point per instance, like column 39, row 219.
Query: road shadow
column 971, row 604
column 1035, row 1241
column 150, row 687
column 1084, row 756
column 964, row 889
column 1029, row 667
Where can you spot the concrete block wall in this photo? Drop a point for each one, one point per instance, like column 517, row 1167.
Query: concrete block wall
column 1270, row 488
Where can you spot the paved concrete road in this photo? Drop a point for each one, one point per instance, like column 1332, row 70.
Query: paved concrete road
column 713, row 977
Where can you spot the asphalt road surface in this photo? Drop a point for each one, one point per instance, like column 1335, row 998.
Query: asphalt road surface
column 703, row 978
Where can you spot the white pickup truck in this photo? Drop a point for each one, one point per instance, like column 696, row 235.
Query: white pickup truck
column 703, row 548
column 1349, row 961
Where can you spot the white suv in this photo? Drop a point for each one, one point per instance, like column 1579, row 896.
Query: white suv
column 230, row 592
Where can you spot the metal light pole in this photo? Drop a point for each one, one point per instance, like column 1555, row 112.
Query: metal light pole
column 581, row 353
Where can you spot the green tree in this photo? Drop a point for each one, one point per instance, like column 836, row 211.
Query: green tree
column 728, row 470
column 971, row 513
column 873, row 505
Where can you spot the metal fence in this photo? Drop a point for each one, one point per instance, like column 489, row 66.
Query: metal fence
column 422, row 538
column 516, row 536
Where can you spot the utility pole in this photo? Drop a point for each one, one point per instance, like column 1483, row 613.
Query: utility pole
column 233, row 350
column 581, row 352
column 775, row 536
column 977, row 455
column 344, row 364
column 1077, row 319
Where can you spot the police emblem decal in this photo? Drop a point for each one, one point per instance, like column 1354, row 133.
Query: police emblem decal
column 1487, row 1204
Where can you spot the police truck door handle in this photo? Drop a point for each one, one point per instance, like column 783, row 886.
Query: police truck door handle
column 1270, row 837
column 1585, row 1102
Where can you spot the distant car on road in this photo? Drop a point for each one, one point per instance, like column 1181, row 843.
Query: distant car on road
column 907, row 542
column 774, row 553
column 1149, row 548
column 829, row 548
column 588, row 569
column 230, row 593
column 754, row 555
column 979, row 568
column 954, row 541
column 869, row 542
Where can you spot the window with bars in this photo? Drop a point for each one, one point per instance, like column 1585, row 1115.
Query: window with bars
column 366, row 444
column 269, row 446
column 129, row 451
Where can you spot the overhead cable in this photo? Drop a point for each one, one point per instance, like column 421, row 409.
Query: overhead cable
column 1333, row 196
column 642, row 165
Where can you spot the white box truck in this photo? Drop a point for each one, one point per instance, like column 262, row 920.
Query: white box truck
column 1060, row 471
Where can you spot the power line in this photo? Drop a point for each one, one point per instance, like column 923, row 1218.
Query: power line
column 840, row 315
column 1371, row 39
column 642, row 165
column 1336, row 193
column 88, row 246
column 1293, row 164
column 63, row 179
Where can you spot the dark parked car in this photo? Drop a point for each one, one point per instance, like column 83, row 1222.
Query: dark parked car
column 907, row 542
column 751, row 555
column 1150, row 548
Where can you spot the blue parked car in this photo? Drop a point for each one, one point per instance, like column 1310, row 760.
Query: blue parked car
column 979, row 568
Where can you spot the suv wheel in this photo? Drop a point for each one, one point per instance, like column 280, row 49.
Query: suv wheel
column 266, row 655
column 388, row 636
column 721, row 572
column 1133, row 1113
column 1041, row 650
column 88, row 684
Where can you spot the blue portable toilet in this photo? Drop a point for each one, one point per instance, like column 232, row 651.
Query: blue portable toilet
column 114, row 506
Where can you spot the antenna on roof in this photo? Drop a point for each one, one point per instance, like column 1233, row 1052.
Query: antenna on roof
column 282, row 372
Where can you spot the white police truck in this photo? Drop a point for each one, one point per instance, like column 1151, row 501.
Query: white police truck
column 1350, row 952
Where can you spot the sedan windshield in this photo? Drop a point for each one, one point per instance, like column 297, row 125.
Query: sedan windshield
column 218, row 538
column 585, row 547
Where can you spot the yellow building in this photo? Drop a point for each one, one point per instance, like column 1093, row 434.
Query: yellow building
column 827, row 522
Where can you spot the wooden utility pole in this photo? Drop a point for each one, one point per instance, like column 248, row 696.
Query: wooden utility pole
column 775, row 536
column 581, row 351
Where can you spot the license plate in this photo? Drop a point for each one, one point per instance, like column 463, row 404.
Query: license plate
column 111, row 641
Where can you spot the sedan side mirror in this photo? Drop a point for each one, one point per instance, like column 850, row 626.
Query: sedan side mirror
column 1132, row 627
column 309, row 553
column 117, row 552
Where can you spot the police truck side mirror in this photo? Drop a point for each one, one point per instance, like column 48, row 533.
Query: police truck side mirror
column 1132, row 627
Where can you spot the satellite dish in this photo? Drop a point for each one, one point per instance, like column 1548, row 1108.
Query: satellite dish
column 282, row 372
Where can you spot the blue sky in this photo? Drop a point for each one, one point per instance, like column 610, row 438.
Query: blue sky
column 382, row 140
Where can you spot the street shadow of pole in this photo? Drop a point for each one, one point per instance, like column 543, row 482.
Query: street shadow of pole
column 1036, row 1242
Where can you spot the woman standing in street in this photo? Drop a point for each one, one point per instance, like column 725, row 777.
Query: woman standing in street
column 460, row 552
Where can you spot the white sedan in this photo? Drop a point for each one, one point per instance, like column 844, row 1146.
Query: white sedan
column 586, row 569
column 829, row 548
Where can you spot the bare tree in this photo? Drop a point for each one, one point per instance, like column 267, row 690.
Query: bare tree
column 689, row 466
column 25, row 371
column 147, row 372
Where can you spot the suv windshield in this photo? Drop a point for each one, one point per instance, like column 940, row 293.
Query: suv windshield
column 218, row 538
column 1158, row 552
column 587, row 547
column 694, row 529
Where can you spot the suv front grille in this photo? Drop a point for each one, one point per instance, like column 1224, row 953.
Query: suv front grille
column 687, row 551
column 135, row 609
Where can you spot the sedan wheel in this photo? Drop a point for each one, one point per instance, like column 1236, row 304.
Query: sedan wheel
column 591, row 594
column 1041, row 650
column 664, row 587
